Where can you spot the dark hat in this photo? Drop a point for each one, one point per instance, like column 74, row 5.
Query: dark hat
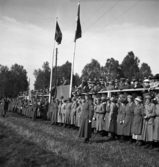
column 122, row 79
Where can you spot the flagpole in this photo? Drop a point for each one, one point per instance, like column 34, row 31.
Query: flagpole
column 72, row 69
column 77, row 35
column 52, row 60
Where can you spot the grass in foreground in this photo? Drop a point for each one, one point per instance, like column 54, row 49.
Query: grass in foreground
column 65, row 142
column 15, row 151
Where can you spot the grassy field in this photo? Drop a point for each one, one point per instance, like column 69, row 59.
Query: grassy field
column 15, row 151
column 64, row 146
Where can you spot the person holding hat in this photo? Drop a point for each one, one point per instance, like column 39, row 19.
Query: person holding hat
column 138, row 121
column 86, row 118
column 156, row 121
column 112, row 118
column 121, row 115
column 129, row 115
column 148, row 126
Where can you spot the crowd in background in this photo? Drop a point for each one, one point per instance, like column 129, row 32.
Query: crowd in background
column 123, row 116
column 99, row 84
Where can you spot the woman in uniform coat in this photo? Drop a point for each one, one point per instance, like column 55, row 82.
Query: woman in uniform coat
column 101, row 108
column 156, row 121
column 129, row 115
column 94, row 115
column 59, row 117
column 79, row 111
column 86, row 119
column 121, row 116
column 113, row 118
column 68, row 112
column 138, row 121
column 55, row 112
column 73, row 111
column 106, row 118
column 34, row 108
column 148, row 126
column 63, row 111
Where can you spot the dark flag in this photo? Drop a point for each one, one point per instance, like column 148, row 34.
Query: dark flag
column 78, row 33
column 58, row 34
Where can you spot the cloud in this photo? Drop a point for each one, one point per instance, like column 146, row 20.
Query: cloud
column 30, row 45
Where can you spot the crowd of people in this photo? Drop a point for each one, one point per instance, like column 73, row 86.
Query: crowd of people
column 97, row 85
column 123, row 117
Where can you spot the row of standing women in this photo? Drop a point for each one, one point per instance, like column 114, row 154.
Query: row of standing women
column 124, row 119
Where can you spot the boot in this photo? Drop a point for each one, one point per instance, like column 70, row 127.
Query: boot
column 121, row 139
column 86, row 140
column 147, row 145
column 151, row 145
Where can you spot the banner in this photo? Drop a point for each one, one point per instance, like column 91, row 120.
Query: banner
column 63, row 90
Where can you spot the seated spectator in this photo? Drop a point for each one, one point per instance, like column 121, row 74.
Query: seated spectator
column 95, row 80
column 110, row 86
column 116, row 86
column 122, row 83
column 151, row 79
column 146, row 83
column 136, row 84
column 127, row 84
column 98, row 87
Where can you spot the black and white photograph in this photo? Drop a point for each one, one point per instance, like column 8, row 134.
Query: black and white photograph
column 79, row 83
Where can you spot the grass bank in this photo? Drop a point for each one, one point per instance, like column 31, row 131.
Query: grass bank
column 66, row 144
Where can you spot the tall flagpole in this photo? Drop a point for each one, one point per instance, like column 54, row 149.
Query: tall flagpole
column 72, row 69
column 52, row 59
column 78, row 28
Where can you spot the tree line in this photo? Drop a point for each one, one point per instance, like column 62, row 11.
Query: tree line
column 13, row 80
column 129, row 68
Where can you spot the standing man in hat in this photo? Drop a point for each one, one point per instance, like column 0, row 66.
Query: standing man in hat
column 86, row 119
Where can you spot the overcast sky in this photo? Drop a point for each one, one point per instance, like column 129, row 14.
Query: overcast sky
column 110, row 29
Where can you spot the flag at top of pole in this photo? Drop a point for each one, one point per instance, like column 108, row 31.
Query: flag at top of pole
column 78, row 33
column 58, row 34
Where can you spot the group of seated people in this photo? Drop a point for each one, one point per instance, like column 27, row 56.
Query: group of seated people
column 97, row 85
column 123, row 116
